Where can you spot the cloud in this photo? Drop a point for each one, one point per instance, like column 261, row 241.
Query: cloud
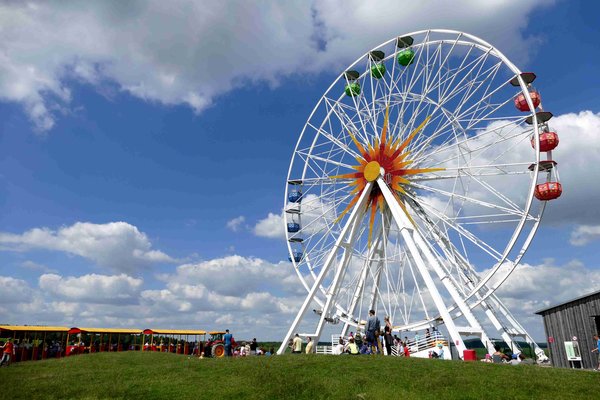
column 189, row 53
column 260, row 301
column 271, row 227
column 116, row 245
column 584, row 234
column 13, row 290
column 316, row 215
column 33, row 266
column 236, row 223
column 578, row 136
column 92, row 288
column 234, row 290
column 235, row 275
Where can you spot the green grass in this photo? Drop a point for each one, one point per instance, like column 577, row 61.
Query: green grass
column 136, row 375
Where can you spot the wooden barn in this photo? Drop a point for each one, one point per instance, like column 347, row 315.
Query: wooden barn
column 569, row 329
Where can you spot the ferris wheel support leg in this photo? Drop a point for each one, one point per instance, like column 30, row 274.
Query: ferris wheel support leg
column 541, row 355
column 361, row 284
column 363, row 278
column 375, row 291
column 405, row 226
column 445, row 279
column 349, row 226
column 340, row 272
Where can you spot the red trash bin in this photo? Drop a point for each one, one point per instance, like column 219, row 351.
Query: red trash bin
column 469, row 355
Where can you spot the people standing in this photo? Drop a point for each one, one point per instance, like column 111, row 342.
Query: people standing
column 388, row 323
column 7, row 352
column 372, row 329
column 227, row 340
column 388, row 339
column 309, row 346
column 253, row 347
column 297, row 345
column 597, row 350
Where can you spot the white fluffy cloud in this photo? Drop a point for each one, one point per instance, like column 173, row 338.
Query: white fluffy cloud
column 92, row 288
column 584, row 234
column 236, row 223
column 235, row 275
column 270, row 227
column 13, row 290
column 534, row 287
column 193, row 297
column 234, row 291
column 187, row 52
column 577, row 154
column 117, row 245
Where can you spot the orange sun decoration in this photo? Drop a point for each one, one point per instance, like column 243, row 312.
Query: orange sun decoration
column 388, row 159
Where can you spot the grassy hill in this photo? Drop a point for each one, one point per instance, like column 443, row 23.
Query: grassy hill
column 135, row 375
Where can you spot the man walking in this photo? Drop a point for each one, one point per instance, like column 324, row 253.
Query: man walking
column 372, row 328
column 227, row 339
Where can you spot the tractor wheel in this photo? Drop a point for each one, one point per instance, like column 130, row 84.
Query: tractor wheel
column 218, row 350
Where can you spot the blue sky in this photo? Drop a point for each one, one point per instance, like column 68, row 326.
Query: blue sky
column 132, row 151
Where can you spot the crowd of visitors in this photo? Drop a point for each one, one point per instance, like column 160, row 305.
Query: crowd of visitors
column 27, row 350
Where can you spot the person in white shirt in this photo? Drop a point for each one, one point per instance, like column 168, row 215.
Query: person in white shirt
column 339, row 348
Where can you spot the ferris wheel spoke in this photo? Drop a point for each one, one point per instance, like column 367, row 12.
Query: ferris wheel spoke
column 453, row 141
column 336, row 141
column 458, row 173
column 465, row 70
column 340, row 110
column 328, row 161
column 494, row 192
column 463, row 232
column 472, row 86
column 422, row 144
column 475, row 149
column 468, row 199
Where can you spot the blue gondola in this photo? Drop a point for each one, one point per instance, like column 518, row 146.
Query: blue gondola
column 295, row 196
column 297, row 256
column 293, row 227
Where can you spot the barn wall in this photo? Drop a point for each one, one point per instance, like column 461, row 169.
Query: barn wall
column 575, row 318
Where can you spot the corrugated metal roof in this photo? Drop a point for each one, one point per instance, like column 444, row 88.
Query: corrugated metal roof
column 539, row 312
column 33, row 328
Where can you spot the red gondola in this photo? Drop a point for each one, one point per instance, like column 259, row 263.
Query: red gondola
column 521, row 102
column 548, row 191
column 548, row 141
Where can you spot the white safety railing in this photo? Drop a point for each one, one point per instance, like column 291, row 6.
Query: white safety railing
column 324, row 350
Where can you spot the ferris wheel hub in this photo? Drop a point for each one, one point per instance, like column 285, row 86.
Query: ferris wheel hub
column 372, row 171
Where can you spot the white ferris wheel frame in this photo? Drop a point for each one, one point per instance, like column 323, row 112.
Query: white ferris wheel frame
column 480, row 292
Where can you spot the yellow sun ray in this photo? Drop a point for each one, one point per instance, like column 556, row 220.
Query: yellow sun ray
column 360, row 148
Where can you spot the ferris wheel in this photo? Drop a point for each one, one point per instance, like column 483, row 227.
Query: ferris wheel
column 416, row 186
